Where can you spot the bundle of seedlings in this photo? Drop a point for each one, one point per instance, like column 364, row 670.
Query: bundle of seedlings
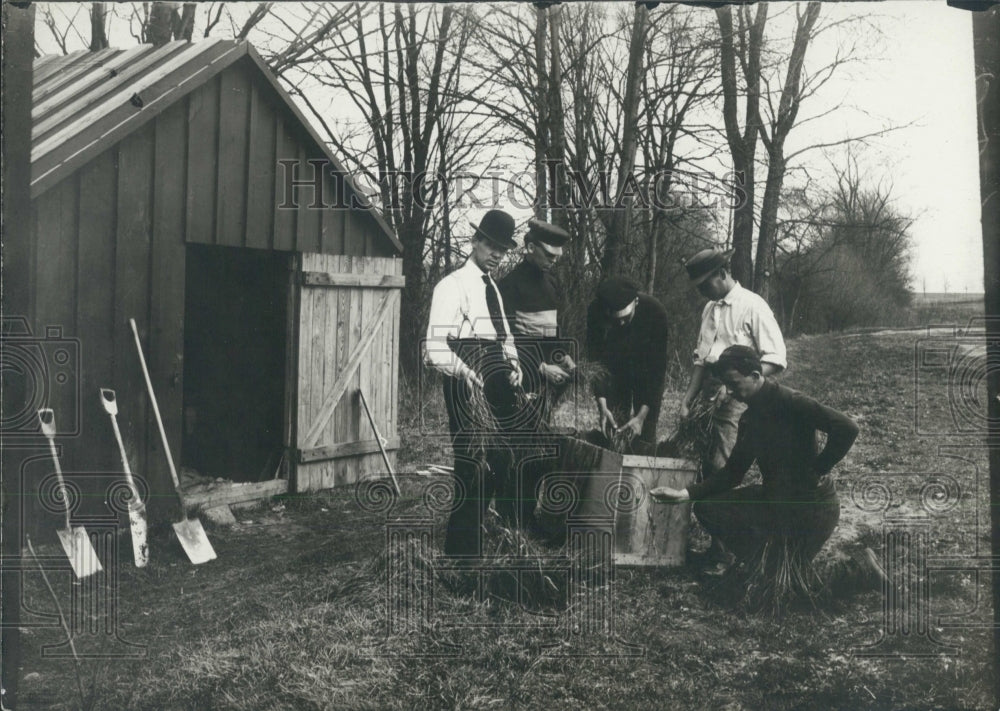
column 518, row 569
column 694, row 433
column 778, row 575
column 485, row 432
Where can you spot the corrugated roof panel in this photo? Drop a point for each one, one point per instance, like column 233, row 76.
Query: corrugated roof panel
column 85, row 101
column 61, row 79
column 133, row 70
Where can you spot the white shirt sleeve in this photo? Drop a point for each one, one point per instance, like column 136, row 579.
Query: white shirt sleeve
column 705, row 337
column 445, row 320
column 770, row 343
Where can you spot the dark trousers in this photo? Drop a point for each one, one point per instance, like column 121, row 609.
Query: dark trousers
column 482, row 465
column 532, row 458
column 744, row 519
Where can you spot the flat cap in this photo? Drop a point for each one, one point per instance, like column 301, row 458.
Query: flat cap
column 705, row 263
column 546, row 232
column 616, row 292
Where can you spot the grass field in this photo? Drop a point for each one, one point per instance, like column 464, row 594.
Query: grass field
column 293, row 613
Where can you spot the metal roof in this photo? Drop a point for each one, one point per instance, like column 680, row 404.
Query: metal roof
column 84, row 102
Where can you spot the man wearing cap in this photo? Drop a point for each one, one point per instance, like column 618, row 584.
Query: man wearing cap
column 733, row 316
column 470, row 342
column 796, row 500
column 627, row 334
column 532, row 299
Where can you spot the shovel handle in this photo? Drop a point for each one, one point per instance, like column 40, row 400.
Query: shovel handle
column 156, row 408
column 378, row 439
column 47, row 420
column 112, row 408
column 109, row 401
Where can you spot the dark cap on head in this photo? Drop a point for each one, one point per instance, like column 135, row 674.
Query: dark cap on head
column 742, row 359
column 705, row 263
column 496, row 227
column 546, row 232
column 616, row 292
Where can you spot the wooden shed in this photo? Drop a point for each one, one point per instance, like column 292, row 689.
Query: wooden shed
column 177, row 185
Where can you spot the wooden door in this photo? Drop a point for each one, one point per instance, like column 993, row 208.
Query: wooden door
column 348, row 339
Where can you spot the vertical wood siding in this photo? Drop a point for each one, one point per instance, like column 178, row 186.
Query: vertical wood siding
column 108, row 244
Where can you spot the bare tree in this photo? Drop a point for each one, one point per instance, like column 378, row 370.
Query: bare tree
column 745, row 43
column 782, row 120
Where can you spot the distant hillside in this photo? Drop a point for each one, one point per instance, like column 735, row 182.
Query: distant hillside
column 926, row 299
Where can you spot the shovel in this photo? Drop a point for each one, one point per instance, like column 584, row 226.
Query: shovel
column 189, row 531
column 75, row 541
column 136, row 509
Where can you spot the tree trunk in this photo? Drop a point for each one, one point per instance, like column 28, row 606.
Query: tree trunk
column 764, row 267
column 557, row 132
column 788, row 107
column 411, row 317
column 98, row 38
column 185, row 27
column 742, row 146
column 159, row 27
column 621, row 215
column 542, row 121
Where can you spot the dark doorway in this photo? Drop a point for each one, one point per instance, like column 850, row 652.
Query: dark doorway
column 234, row 361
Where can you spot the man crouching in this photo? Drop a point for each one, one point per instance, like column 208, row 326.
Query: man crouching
column 792, row 513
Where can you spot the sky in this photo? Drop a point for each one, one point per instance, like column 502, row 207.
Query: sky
column 925, row 76
column 918, row 73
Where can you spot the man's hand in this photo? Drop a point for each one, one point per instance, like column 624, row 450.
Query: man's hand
column 472, row 378
column 634, row 425
column 567, row 364
column 685, row 410
column 605, row 420
column 666, row 495
column 553, row 373
column 515, row 374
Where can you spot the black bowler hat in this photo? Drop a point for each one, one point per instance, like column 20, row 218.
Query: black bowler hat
column 704, row 264
column 539, row 231
column 616, row 293
column 497, row 227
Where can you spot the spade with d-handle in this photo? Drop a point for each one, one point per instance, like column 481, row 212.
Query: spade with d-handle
column 75, row 541
column 189, row 531
column 136, row 509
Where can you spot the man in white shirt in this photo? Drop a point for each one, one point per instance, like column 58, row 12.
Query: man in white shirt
column 734, row 316
column 469, row 341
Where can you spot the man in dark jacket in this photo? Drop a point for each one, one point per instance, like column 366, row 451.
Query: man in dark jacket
column 627, row 334
column 533, row 301
column 797, row 499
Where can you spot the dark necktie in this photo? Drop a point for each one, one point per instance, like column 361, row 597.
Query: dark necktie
column 493, row 304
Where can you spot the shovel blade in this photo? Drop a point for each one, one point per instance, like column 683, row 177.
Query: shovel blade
column 80, row 551
column 137, row 525
column 193, row 538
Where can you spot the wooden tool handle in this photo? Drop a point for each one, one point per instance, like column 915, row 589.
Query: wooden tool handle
column 156, row 407
column 47, row 420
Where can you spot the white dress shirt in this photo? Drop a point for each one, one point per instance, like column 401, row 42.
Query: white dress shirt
column 459, row 310
column 740, row 318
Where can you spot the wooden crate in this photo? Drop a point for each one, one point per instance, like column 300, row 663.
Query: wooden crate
column 615, row 487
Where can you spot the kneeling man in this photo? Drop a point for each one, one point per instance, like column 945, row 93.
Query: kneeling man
column 797, row 500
